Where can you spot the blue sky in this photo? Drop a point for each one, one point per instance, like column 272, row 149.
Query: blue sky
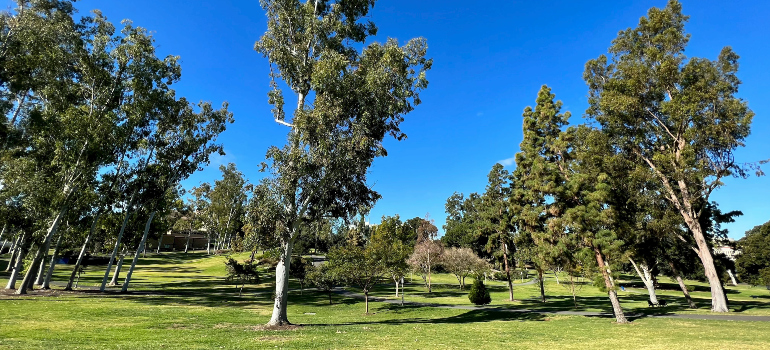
column 490, row 59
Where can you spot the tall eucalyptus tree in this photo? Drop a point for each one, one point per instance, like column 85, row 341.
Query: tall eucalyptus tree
column 677, row 115
column 347, row 101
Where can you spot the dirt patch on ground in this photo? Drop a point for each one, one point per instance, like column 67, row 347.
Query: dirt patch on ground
column 11, row 293
column 291, row 327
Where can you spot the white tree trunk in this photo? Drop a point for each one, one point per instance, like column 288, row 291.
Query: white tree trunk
column 136, row 255
column 115, row 250
column 52, row 264
column 732, row 277
column 646, row 277
column 18, row 263
column 280, row 317
column 82, row 252
column 41, row 252
column 617, row 310
column 116, row 275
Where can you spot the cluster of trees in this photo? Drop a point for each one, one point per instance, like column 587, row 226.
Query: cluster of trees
column 393, row 249
column 753, row 262
column 633, row 185
column 93, row 139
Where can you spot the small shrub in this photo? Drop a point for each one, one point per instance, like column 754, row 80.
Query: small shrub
column 479, row 294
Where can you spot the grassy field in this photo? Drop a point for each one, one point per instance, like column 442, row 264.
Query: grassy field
column 181, row 302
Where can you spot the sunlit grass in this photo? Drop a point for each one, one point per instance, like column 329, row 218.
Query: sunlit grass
column 182, row 302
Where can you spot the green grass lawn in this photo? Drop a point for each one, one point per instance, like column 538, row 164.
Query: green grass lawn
column 180, row 301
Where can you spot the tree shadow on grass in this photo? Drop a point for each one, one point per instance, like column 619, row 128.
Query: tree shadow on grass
column 470, row 316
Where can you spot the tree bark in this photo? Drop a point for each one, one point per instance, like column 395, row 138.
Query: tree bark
column 644, row 274
column 508, row 272
column 23, row 246
column 681, row 285
column 187, row 243
column 52, row 264
column 115, row 250
column 41, row 251
column 138, row 250
column 15, row 249
column 556, row 275
column 541, row 282
column 616, row 308
column 82, row 252
column 280, row 317
column 116, row 275
column 366, row 301
column 732, row 277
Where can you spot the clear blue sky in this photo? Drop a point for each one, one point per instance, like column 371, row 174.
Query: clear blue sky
column 490, row 58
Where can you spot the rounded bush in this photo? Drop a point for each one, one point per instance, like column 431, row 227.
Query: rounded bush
column 479, row 294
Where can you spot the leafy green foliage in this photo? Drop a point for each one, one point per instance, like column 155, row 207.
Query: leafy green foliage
column 753, row 263
column 479, row 294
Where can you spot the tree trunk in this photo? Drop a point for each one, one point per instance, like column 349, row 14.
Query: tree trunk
column 15, row 250
column 138, row 250
column 41, row 251
column 366, row 301
column 208, row 245
column 23, row 246
column 280, row 317
column 508, row 272
column 40, row 275
column 396, row 280
column 542, row 287
column 616, row 308
column 82, row 253
column 718, row 299
column 52, row 264
column 644, row 274
column 187, row 243
column 2, row 241
column 681, row 285
column 115, row 250
column 556, row 275
column 732, row 277
column 116, row 275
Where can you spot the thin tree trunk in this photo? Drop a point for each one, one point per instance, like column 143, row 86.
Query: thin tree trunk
column 616, row 308
column 280, row 317
column 542, row 287
column 366, row 301
column 117, row 245
column 15, row 249
column 42, row 268
column 679, row 280
column 187, row 243
column 116, row 275
column 2, row 241
column 136, row 255
column 41, row 251
column 52, row 264
column 556, row 275
column 429, row 284
column 23, row 246
column 732, row 277
column 508, row 272
column 208, row 245
column 82, row 252
column 644, row 274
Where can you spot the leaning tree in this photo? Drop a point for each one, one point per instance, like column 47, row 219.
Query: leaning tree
column 677, row 115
